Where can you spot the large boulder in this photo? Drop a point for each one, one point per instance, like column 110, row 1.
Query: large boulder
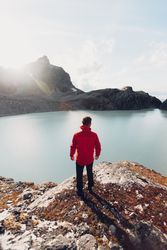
column 148, row 237
column 86, row 242
column 58, row 243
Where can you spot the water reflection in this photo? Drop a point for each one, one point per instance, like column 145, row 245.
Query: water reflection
column 164, row 113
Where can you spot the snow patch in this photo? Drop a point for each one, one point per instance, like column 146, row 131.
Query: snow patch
column 73, row 89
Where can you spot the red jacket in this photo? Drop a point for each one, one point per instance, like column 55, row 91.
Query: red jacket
column 85, row 143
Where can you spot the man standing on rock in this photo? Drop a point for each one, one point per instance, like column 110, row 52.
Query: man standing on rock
column 85, row 144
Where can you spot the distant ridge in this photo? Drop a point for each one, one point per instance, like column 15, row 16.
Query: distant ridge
column 42, row 87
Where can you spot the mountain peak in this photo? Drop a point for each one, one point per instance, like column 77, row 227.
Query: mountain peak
column 127, row 88
column 43, row 60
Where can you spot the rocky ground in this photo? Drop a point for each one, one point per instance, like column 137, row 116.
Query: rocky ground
column 127, row 210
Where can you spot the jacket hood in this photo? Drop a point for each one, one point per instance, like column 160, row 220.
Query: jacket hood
column 85, row 128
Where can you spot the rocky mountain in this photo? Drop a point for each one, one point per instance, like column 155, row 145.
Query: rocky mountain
column 127, row 210
column 164, row 105
column 41, row 86
column 113, row 99
column 39, row 78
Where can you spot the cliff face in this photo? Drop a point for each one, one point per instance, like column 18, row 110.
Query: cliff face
column 127, row 210
column 164, row 105
column 41, row 86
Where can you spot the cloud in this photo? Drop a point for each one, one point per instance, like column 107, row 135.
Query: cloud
column 147, row 71
column 91, row 63
column 91, row 56
column 86, row 84
column 99, row 64
column 88, row 61
column 86, row 64
column 158, row 56
column 90, row 68
column 154, row 58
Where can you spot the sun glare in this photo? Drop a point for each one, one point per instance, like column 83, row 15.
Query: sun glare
column 13, row 64
column 15, row 44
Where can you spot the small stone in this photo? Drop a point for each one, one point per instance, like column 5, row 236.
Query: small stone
column 2, row 229
column 114, row 246
column 16, row 211
column 126, row 211
column 27, row 196
column 9, row 180
column 139, row 208
column 137, row 192
column 87, row 242
column 112, row 229
column 9, row 202
column 81, row 203
column 19, row 183
column 60, row 242
column 50, row 197
column 105, row 238
column 139, row 196
column 85, row 216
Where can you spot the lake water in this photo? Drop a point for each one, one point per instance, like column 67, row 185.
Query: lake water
column 35, row 147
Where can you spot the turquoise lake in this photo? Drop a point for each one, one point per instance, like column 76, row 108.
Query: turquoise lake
column 35, row 147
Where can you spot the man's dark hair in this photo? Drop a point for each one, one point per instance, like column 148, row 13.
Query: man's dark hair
column 86, row 120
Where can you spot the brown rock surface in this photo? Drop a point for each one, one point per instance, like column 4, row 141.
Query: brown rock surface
column 127, row 210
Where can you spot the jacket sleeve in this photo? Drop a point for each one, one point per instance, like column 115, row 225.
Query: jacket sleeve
column 97, row 146
column 73, row 146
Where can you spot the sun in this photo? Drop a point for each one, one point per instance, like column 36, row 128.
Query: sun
column 15, row 44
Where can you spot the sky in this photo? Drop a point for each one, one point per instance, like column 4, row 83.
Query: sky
column 100, row 43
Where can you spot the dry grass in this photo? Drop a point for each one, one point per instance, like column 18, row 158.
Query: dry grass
column 67, row 206
column 149, row 174
column 13, row 197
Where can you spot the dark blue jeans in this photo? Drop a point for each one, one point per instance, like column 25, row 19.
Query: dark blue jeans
column 79, row 176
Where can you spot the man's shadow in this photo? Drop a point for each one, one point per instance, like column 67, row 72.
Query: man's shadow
column 113, row 210
column 113, row 225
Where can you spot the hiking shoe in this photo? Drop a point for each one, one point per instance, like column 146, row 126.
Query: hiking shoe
column 90, row 189
column 80, row 194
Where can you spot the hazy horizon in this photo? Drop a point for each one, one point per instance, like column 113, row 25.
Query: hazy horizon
column 101, row 44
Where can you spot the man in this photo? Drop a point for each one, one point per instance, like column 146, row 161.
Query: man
column 85, row 144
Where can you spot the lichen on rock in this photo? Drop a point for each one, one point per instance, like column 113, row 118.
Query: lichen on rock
column 127, row 210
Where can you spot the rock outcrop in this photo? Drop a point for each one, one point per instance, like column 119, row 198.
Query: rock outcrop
column 113, row 99
column 164, row 105
column 127, row 210
column 42, row 87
